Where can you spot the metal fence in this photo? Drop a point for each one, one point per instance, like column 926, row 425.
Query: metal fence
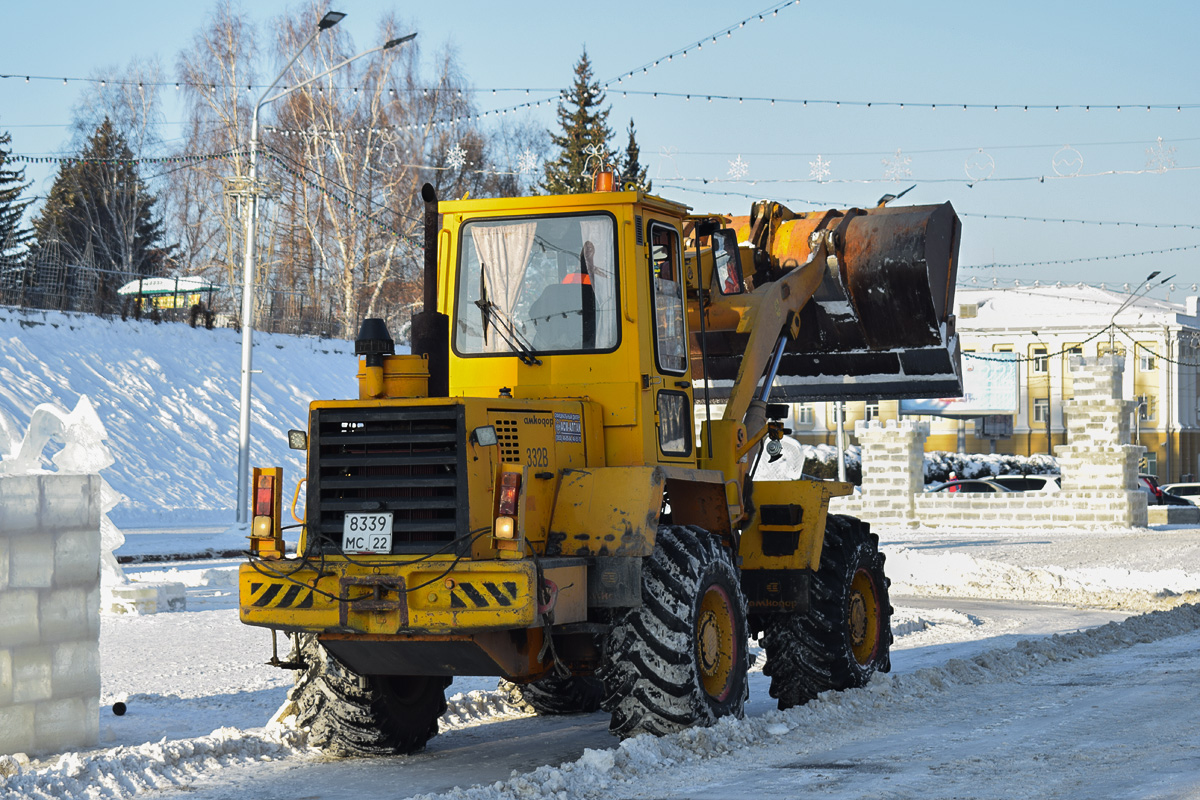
column 46, row 280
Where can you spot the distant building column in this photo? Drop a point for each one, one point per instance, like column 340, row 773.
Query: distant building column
column 1097, row 463
column 893, row 469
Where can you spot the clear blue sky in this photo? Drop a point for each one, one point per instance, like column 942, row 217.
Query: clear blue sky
column 949, row 53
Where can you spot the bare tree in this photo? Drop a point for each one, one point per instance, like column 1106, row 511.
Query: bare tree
column 342, row 162
column 206, row 198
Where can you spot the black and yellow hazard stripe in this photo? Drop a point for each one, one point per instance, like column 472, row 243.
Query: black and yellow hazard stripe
column 273, row 595
column 483, row 594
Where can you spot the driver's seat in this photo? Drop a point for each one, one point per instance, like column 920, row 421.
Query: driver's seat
column 564, row 317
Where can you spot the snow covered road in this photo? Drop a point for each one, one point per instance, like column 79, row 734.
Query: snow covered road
column 1108, row 712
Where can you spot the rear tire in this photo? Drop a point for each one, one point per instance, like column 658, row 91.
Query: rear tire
column 578, row 694
column 347, row 714
column 846, row 636
column 679, row 660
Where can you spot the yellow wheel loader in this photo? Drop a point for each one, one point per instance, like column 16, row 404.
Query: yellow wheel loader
column 557, row 486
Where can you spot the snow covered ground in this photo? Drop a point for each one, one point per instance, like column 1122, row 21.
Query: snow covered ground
column 1024, row 666
column 1026, row 663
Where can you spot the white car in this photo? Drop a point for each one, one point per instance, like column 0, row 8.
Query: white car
column 1028, row 483
column 1188, row 491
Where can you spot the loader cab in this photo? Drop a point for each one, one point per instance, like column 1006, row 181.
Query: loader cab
column 575, row 297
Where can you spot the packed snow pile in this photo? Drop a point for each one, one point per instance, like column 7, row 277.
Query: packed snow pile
column 932, row 574
column 168, row 397
column 124, row 771
column 821, row 461
column 939, row 464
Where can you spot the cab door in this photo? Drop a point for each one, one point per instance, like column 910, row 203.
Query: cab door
column 672, row 393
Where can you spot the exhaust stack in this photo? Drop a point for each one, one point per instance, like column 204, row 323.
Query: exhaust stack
column 431, row 330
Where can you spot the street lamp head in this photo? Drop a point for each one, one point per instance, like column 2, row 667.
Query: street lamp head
column 330, row 19
column 1152, row 276
column 390, row 43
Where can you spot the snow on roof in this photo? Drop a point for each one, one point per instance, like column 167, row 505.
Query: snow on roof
column 1064, row 306
column 165, row 286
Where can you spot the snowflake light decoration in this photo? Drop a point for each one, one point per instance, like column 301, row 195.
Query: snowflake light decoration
column 527, row 162
column 1160, row 157
column 457, row 156
column 819, row 169
column 896, row 167
column 738, row 169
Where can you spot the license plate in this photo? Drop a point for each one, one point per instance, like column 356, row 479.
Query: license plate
column 367, row 533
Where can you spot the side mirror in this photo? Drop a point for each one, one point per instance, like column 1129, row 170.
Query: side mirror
column 297, row 440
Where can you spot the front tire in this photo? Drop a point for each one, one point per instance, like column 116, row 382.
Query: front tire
column 348, row 714
column 846, row 636
column 679, row 660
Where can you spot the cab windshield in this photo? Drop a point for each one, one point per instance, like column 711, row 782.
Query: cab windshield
column 537, row 285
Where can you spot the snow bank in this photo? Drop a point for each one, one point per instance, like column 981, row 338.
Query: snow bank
column 125, row 771
column 914, row 572
column 168, row 398
column 821, row 461
column 622, row 770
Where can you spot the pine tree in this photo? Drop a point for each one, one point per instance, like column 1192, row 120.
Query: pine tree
column 632, row 170
column 101, row 201
column 584, row 123
column 13, row 238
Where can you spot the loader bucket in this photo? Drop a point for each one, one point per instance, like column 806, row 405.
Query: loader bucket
column 880, row 325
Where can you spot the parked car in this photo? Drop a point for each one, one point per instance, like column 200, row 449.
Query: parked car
column 1188, row 491
column 969, row 486
column 1029, row 483
column 1156, row 496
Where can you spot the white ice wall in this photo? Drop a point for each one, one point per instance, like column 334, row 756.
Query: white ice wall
column 49, row 612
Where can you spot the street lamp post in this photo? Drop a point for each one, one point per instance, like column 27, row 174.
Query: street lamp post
column 328, row 21
column 1146, row 287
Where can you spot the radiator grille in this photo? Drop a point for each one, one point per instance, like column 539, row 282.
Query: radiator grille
column 403, row 460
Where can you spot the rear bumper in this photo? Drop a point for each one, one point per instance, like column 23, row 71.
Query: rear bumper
column 382, row 597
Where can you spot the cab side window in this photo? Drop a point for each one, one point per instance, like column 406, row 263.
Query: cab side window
column 670, row 343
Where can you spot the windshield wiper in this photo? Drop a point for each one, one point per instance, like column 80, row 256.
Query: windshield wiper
column 511, row 336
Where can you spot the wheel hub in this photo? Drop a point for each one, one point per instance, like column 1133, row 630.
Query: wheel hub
column 716, row 644
column 862, row 616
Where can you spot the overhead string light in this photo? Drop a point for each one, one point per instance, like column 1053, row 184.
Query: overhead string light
column 69, row 160
column 1082, row 260
column 740, row 99
column 1101, row 223
column 985, row 282
column 682, row 52
column 821, row 175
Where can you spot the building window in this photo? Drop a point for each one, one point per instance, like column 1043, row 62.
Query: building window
column 1002, row 348
column 804, row 414
column 1041, row 361
column 1149, row 464
column 872, row 411
column 1146, row 360
column 1041, row 409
